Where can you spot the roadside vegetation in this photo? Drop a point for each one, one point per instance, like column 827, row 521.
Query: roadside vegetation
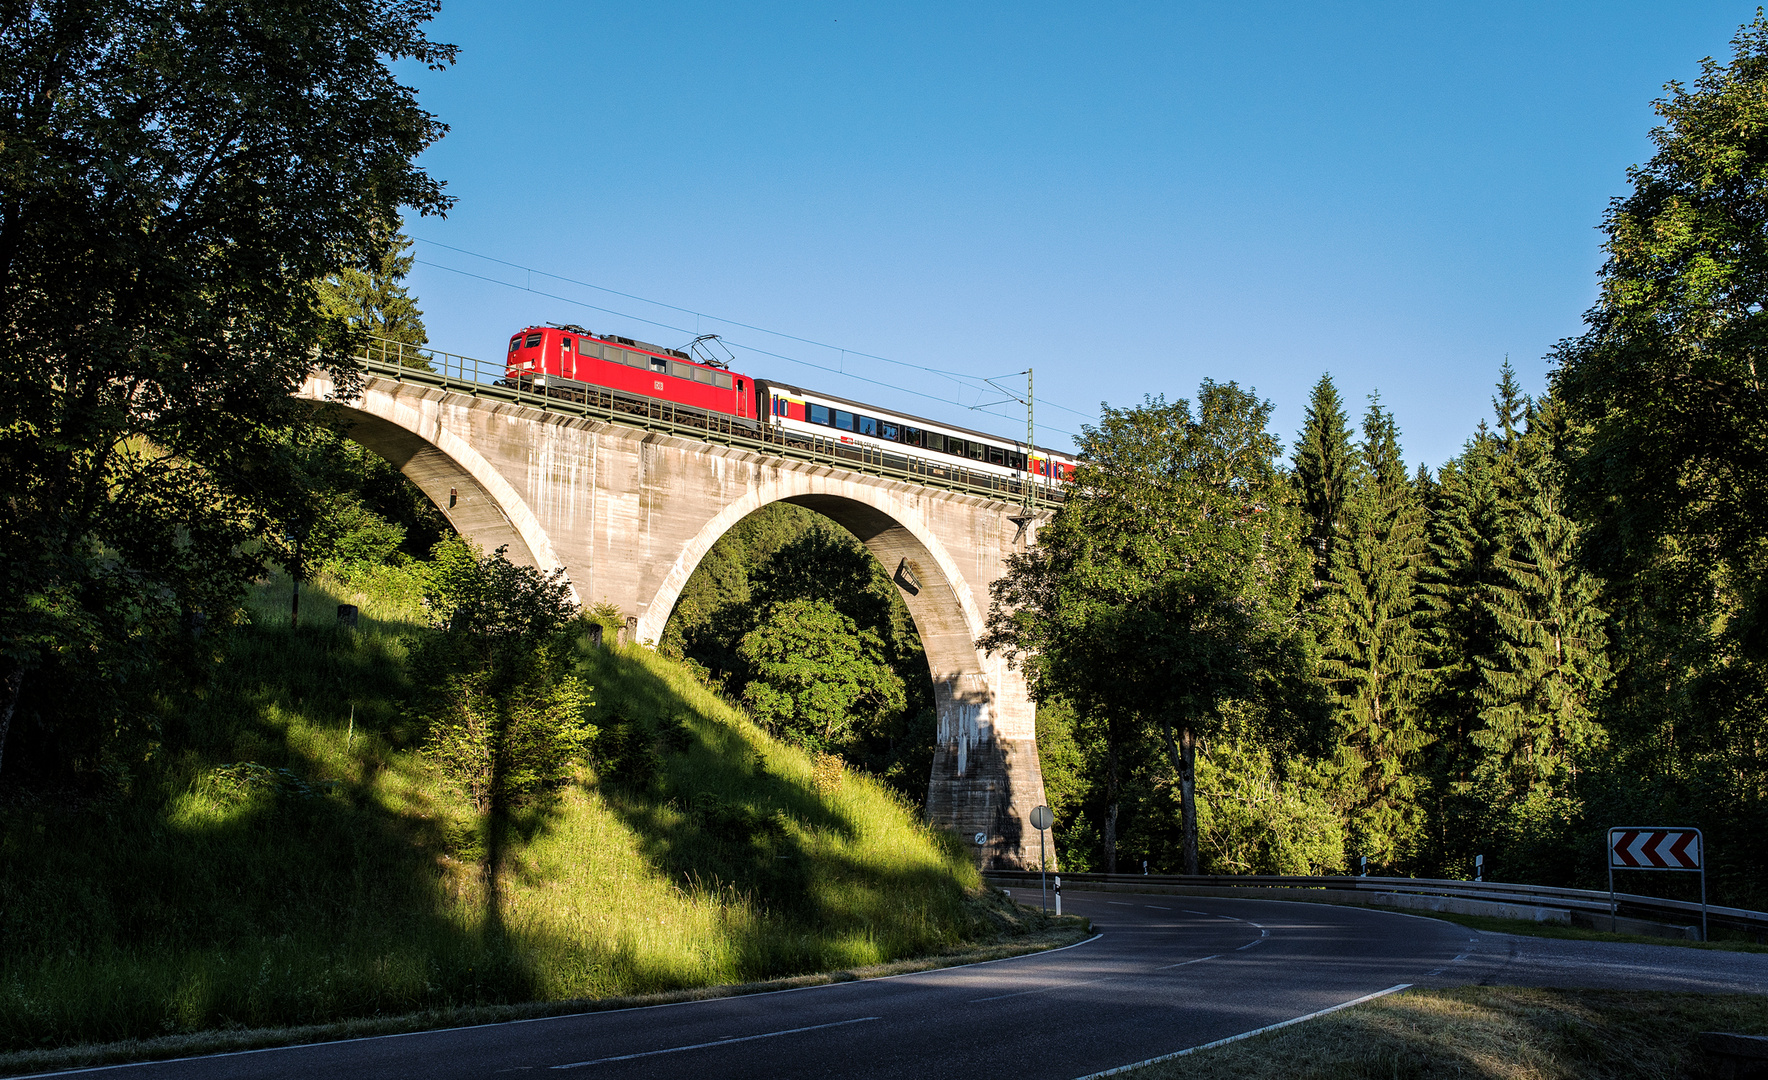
column 299, row 848
column 1479, row 1031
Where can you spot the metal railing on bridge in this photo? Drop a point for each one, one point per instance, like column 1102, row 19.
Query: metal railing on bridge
column 1591, row 901
column 464, row 374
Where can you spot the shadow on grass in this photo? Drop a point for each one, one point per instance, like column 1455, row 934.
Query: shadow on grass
column 282, row 862
column 289, row 859
column 826, row 874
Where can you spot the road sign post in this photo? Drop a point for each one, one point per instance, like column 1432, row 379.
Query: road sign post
column 1040, row 820
column 1648, row 848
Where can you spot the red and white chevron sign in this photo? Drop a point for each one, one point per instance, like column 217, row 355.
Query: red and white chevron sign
column 1654, row 849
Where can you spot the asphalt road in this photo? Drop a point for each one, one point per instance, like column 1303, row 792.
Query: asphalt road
column 1164, row 973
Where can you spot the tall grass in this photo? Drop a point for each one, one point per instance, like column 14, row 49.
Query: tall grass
column 291, row 858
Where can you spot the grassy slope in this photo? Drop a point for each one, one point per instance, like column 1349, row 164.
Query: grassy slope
column 348, row 884
column 1481, row 1031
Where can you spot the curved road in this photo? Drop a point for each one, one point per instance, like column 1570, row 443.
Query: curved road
column 1164, row 973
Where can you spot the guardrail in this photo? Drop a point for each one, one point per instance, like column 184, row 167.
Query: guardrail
column 463, row 374
column 1594, row 901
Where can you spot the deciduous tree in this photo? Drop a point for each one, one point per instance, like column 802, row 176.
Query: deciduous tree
column 175, row 178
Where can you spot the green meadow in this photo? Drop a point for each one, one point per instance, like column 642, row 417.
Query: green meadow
column 289, row 857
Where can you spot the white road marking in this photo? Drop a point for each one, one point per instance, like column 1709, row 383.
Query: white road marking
column 1119, row 903
column 1244, row 1034
column 1042, row 989
column 1157, row 907
column 1186, row 963
column 716, row 1042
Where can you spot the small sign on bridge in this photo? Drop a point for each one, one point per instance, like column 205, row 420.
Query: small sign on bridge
column 1641, row 848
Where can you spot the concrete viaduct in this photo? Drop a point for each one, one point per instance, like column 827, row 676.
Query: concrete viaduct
column 628, row 512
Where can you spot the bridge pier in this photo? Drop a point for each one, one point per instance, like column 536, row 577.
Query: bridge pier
column 629, row 513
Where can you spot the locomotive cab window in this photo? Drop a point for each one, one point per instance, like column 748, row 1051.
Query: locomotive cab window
column 515, row 343
column 533, row 340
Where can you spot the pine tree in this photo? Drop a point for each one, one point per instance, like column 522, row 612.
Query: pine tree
column 373, row 301
column 1372, row 645
column 1467, row 539
column 1326, row 470
column 1537, row 687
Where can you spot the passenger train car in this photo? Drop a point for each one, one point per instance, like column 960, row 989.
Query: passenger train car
column 570, row 360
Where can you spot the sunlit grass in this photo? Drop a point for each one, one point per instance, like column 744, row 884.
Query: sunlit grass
column 290, row 858
column 1487, row 1031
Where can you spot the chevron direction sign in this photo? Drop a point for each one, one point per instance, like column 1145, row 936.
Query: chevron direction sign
column 1654, row 849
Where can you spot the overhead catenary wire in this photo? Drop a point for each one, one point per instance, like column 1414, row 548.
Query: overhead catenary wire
column 963, row 380
column 734, row 344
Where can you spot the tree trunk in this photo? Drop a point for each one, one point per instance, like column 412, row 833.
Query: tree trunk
column 1183, row 752
column 1111, row 802
column 9, row 691
column 1188, row 795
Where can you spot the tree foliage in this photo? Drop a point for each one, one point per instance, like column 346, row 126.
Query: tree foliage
column 816, row 673
column 505, row 711
column 1371, row 648
column 175, row 177
column 1162, row 590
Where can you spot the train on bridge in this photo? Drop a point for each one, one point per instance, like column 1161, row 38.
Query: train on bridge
column 570, row 361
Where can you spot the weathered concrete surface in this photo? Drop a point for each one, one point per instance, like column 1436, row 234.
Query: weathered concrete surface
column 629, row 514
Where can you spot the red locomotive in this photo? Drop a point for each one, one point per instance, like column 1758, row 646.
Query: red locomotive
column 569, row 360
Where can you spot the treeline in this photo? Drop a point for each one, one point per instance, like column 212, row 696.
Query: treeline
column 1404, row 668
column 1294, row 664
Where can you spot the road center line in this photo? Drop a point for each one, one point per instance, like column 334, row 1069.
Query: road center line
column 1042, row 989
column 1119, row 903
column 715, row 1042
column 1186, row 963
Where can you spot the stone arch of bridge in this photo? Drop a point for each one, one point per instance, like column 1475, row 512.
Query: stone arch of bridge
column 947, row 618
column 477, row 500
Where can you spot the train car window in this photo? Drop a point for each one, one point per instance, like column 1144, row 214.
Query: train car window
column 867, row 425
column 658, row 364
column 819, row 414
column 912, row 436
column 1016, row 461
column 997, row 456
column 722, row 380
column 977, row 450
column 843, row 419
column 888, row 430
column 680, row 370
column 533, row 340
column 935, row 441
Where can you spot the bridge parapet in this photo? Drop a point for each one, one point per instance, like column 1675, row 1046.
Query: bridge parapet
column 464, row 374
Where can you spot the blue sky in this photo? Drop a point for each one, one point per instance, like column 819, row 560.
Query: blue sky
column 1127, row 198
